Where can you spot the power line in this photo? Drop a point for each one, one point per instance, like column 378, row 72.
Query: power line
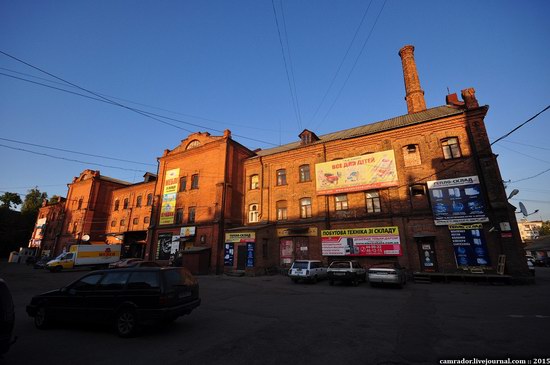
column 528, row 145
column 79, row 153
column 521, row 125
column 354, row 65
column 138, row 111
column 341, row 62
column 530, row 177
column 293, row 97
column 523, row 154
column 70, row 159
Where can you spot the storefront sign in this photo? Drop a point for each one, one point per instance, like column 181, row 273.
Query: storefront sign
column 164, row 246
column 286, row 232
column 186, row 232
column 376, row 241
column 469, row 245
column 372, row 171
column 287, row 249
column 250, row 254
column 168, row 207
column 457, row 200
column 229, row 254
column 240, row 237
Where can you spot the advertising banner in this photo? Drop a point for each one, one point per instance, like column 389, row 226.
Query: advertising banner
column 168, row 207
column 469, row 245
column 186, row 232
column 372, row 171
column 240, row 237
column 457, row 200
column 40, row 228
column 228, row 256
column 164, row 246
column 250, row 254
column 287, row 249
column 377, row 241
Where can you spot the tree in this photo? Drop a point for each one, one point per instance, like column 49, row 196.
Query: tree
column 545, row 229
column 54, row 199
column 33, row 201
column 7, row 199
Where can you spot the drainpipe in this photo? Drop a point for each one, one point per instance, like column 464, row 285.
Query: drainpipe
column 221, row 228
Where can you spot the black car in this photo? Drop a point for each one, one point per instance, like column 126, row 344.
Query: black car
column 7, row 318
column 542, row 261
column 125, row 297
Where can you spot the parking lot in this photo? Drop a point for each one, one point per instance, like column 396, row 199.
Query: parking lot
column 270, row 320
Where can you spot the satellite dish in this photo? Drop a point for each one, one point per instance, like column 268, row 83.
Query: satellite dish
column 86, row 238
column 523, row 209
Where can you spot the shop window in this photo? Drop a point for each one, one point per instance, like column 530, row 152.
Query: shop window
column 253, row 213
column 135, row 221
column 451, row 148
column 418, row 190
column 341, row 202
column 191, row 215
column 195, row 181
column 113, row 223
column 117, row 203
column 149, row 199
column 183, row 183
column 254, row 182
column 281, row 177
column 138, row 201
column 305, row 208
column 125, row 205
column 179, row 216
column 411, row 155
column 281, row 210
column 145, row 219
column 304, row 173
column 372, row 199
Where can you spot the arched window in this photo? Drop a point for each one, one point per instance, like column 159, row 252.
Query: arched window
column 193, row 144
column 117, row 203
column 138, row 201
column 80, row 203
column 125, row 206
column 253, row 213
column 149, row 199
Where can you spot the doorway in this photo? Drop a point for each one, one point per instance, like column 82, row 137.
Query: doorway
column 241, row 257
column 426, row 252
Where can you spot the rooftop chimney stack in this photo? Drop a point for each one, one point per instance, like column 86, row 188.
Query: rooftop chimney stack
column 414, row 94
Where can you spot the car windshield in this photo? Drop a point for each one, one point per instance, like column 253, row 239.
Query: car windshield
column 340, row 265
column 299, row 265
column 60, row 257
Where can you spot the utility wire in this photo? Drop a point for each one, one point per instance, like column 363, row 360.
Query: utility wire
column 146, row 114
column 70, row 159
column 353, row 67
column 528, row 145
column 293, row 97
column 140, row 110
column 79, row 153
column 521, row 125
column 523, row 154
column 341, row 63
column 530, row 177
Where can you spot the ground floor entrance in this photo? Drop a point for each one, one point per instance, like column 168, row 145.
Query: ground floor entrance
column 293, row 248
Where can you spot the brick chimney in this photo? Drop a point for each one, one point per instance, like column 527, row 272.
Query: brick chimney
column 414, row 94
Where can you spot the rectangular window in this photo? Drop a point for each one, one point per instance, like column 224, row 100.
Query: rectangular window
column 451, row 148
column 281, row 210
column 254, row 182
column 341, row 202
column 373, row 201
column 135, row 221
column 183, row 183
column 195, row 181
column 191, row 216
column 305, row 208
column 179, row 216
column 304, row 173
column 253, row 213
column 281, row 177
column 145, row 219
column 418, row 190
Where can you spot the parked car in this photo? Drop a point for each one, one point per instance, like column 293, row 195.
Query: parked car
column 125, row 297
column 307, row 270
column 531, row 267
column 542, row 261
column 124, row 263
column 347, row 271
column 41, row 263
column 387, row 273
column 7, row 318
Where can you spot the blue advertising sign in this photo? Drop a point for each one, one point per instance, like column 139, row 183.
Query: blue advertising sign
column 228, row 255
column 457, row 200
column 469, row 245
column 250, row 254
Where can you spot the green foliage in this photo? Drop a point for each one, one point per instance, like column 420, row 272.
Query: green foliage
column 8, row 199
column 545, row 229
column 33, row 201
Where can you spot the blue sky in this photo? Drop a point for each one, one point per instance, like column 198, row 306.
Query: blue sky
column 219, row 64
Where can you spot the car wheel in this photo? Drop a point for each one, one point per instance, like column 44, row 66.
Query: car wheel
column 126, row 323
column 41, row 320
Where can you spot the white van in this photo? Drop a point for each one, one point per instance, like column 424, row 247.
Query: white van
column 310, row 270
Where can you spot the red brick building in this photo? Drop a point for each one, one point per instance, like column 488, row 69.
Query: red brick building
column 48, row 226
column 130, row 216
column 423, row 189
column 199, row 194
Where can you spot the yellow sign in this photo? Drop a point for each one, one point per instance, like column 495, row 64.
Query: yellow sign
column 168, row 208
column 171, row 181
column 240, row 237
column 371, row 171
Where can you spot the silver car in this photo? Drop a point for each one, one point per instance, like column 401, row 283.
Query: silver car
column 387, row 273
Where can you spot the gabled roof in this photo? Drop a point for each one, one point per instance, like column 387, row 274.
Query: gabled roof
column 385, row 125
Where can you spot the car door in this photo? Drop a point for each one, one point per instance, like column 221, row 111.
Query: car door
column 72, row 304
column 143, row 289
column 105, row 299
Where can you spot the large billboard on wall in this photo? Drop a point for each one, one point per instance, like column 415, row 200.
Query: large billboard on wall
column 469, row 245
column 168, row 208
column 457, row 200
column 372, row 171
column 376, row 241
